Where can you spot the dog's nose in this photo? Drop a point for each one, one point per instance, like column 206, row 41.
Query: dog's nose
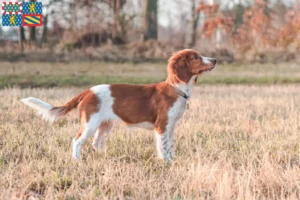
column 214, row 61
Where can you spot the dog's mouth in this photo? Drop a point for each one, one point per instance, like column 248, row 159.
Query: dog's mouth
column 206, row 70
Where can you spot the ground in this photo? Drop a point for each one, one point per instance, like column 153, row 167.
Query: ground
column 234, row 142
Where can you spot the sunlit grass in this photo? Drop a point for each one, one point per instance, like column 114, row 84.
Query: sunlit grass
column 235, row 142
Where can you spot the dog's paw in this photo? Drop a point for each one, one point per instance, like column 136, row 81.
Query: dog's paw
column 75, row 156
column 76, row 149
column 169, row 160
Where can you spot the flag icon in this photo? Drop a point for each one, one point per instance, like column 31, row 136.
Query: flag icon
column 11, row 20
column 11, row 8
column 32, row 20
column 22, row 14
column 32, row 8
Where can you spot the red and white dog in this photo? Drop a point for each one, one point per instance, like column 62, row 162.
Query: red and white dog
column 155, row 106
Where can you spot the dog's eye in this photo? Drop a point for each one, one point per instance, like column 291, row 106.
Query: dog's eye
column 195, row 56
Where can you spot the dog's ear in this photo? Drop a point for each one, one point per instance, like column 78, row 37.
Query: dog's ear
column 181, row 70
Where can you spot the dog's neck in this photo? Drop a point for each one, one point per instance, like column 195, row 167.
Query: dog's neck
column 184, row 87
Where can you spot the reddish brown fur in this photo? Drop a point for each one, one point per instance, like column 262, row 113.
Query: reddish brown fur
column 88, row 104
column 150, row 103
column 70, row 105
column 143, row 103
column 149, row 106
column 183, row 65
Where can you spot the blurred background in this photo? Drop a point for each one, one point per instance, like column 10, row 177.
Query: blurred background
column 246, row 36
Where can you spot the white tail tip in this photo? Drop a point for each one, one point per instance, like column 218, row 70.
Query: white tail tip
column 40, row 106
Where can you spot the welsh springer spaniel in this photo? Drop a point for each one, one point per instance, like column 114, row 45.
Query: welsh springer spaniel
column 154, row 106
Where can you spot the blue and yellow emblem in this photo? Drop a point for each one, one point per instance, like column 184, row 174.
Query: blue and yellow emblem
column 12, row 8
column 32, row 8
column 11, row 20
column 32, row 20
column 22, row 14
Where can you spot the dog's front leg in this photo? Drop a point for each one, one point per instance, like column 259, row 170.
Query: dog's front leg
column 172, row 143
column 163, row 145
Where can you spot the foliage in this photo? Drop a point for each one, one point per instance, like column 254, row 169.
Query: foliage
column 244, row 31
column 258, row 29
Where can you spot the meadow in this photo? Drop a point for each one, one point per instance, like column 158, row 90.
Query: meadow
column 236, row 141
column 86, row 74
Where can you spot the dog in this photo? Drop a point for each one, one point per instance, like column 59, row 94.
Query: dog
column 155, row 106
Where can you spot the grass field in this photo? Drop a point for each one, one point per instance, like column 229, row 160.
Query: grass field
column 235, row 142
column 85, row 74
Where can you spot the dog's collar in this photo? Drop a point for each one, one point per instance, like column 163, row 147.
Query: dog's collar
column 181, row 93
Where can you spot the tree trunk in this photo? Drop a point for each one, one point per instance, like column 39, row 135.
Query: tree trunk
column 195, row 17
column 150, row 20
column 21, row 34
column 116, row 25
column 45, row 29
column 32, row 36
column 21, row 38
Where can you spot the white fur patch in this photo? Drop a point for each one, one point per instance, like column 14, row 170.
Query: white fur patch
column 206, row 60
column 105, row 113
column 145, row 125
column 89, row 130
column 187, row 88
column 106, row 101
column 176, row 112
column 40, row 106
column 159, row 147
column 165, row 141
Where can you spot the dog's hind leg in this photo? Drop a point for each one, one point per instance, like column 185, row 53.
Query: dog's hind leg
column 87, row 130
column 102, row 135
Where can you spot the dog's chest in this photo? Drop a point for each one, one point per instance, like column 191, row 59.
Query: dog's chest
column 177, row 110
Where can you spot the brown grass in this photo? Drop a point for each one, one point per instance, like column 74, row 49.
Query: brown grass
column 235, row 142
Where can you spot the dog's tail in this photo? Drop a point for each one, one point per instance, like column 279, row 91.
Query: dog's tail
column 49, row 112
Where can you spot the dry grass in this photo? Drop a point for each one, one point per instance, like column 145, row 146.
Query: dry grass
column 235, row 142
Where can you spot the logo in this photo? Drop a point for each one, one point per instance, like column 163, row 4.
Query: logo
column 11, row 8
column 22, row 14
column 32, row 20
column 32, row 8
column 11, row 20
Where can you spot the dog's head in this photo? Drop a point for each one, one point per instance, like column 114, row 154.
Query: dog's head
column 185, row 64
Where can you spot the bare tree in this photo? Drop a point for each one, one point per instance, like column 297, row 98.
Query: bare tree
column 32, row 35
column 21, row 38
column 48, row 13
column 195, row 20
column 116, row 6
column 21, row 35
column 150, row 19
column 45, row 29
